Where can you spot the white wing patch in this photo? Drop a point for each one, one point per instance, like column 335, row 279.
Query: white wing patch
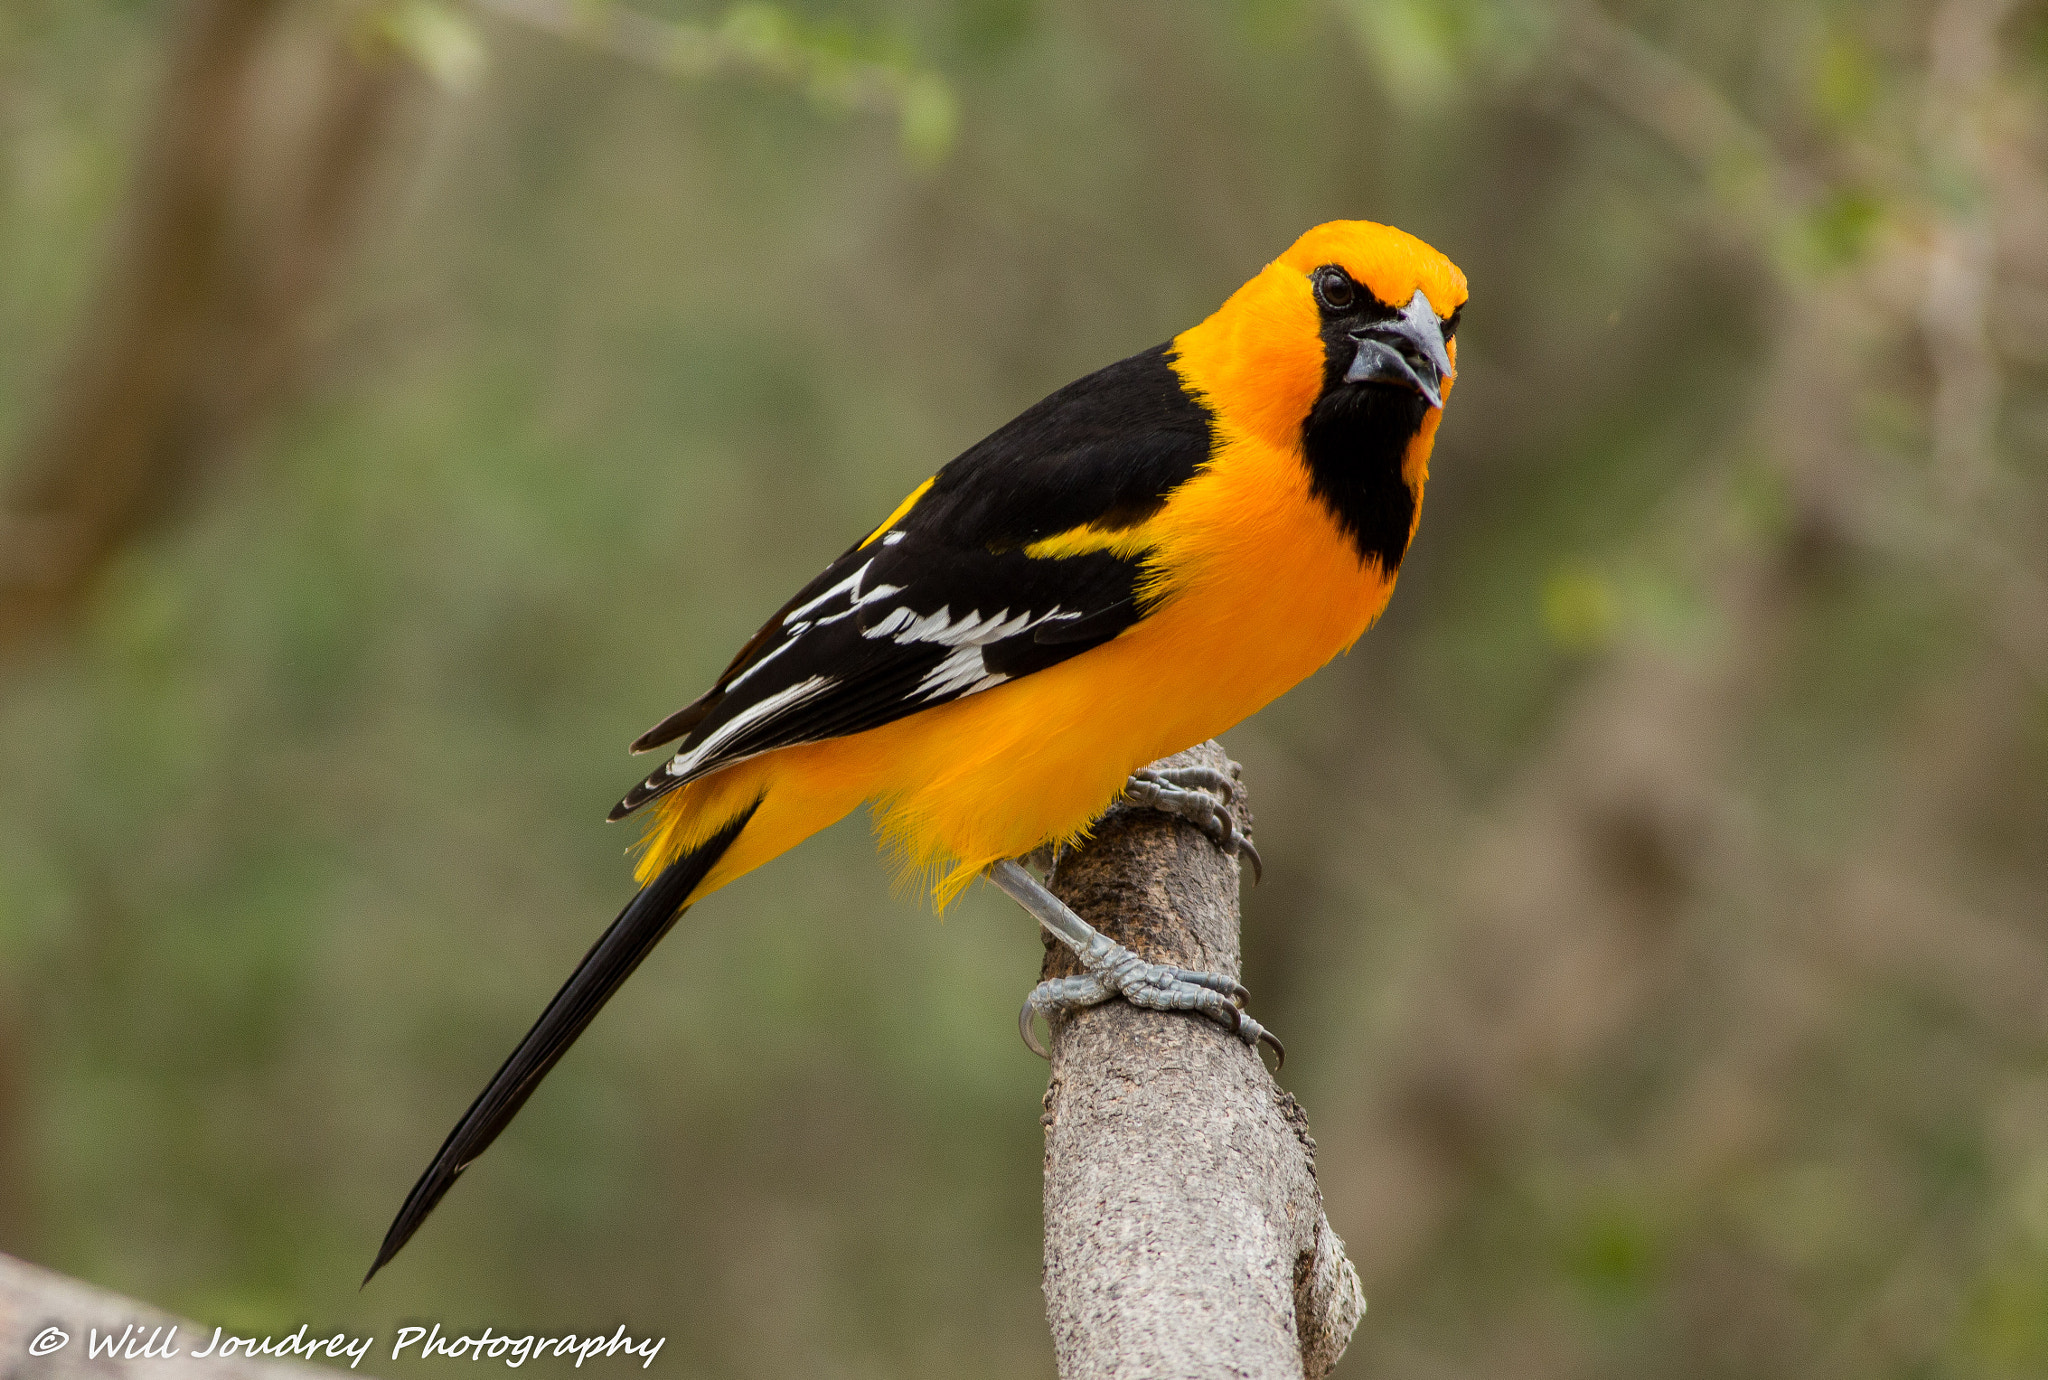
column 964, row 672
column 776, row 705
column 961, row 674
column 850, row 587
column 797, row 622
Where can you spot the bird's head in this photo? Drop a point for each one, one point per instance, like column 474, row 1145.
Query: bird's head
column 1353, row 312
column 1340, row 353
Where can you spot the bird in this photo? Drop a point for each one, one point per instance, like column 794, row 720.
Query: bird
column 1132, row 565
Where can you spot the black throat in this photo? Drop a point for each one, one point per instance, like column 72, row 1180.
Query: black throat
column 1354, row 440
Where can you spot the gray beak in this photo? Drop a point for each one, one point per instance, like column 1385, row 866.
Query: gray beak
column 1408, row 351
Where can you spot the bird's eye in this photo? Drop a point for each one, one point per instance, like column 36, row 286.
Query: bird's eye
column 1334, row 289
column 1451, row 321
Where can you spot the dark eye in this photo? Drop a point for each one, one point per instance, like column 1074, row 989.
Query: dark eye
column 1334, row 289
column 1451, row 321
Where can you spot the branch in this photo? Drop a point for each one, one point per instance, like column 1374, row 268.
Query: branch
column 755, row 38
column 1184, row 1232
column 34, row 1300
column 1961, row 268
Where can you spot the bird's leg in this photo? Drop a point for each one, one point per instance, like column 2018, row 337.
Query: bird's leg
column 1200, row 795
column 1113, row 970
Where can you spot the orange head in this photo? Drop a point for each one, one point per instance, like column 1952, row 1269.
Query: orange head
column 1267, row 354
column 1340, row 351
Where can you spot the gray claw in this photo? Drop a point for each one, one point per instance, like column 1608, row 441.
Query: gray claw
column 1027, row 1027
column 1266, row 1036
column 1154, row 986
column 1192, row 794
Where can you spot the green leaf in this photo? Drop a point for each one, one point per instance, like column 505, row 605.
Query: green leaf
column 931, row 118
column 441, row 40
column 1580, row 609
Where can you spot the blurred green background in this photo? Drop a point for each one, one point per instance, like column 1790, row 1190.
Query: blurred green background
column 407, row 403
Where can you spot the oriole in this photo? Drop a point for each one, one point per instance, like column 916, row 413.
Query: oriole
column 1133, row 565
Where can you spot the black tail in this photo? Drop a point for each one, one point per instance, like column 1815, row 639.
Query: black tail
column 640, row 926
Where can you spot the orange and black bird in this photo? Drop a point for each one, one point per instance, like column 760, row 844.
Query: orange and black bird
column 1133, row 565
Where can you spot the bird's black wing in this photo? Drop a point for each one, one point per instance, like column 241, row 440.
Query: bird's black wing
column 948, row 600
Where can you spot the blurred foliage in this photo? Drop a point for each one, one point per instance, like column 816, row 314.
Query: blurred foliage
column 438, row 37
column 837, row 66
column 1654, row 903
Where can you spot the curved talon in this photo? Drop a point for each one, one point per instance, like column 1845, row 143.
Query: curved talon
column 1027, row 1027
column 1250, row 850
column 1259, row 1035
column 1254, row 1034
column 1279, row 1050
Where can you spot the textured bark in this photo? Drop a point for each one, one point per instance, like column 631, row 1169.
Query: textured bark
column 1184, row 1232
column 33, row 1300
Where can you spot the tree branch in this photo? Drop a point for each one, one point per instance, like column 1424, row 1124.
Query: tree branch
column 756, row 38
column 1184, row 1232
column 34, row 1300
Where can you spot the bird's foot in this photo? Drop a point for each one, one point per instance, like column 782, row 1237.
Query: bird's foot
column 1111, row 970
column 1203, row 797
column 1154, row 986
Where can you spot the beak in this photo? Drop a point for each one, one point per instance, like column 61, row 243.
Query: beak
column 1407, row 351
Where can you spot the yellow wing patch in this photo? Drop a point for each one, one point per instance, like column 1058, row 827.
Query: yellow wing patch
column 1121, row 542
column 902, row 509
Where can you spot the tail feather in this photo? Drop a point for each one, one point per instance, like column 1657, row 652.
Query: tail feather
column 640, row 926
